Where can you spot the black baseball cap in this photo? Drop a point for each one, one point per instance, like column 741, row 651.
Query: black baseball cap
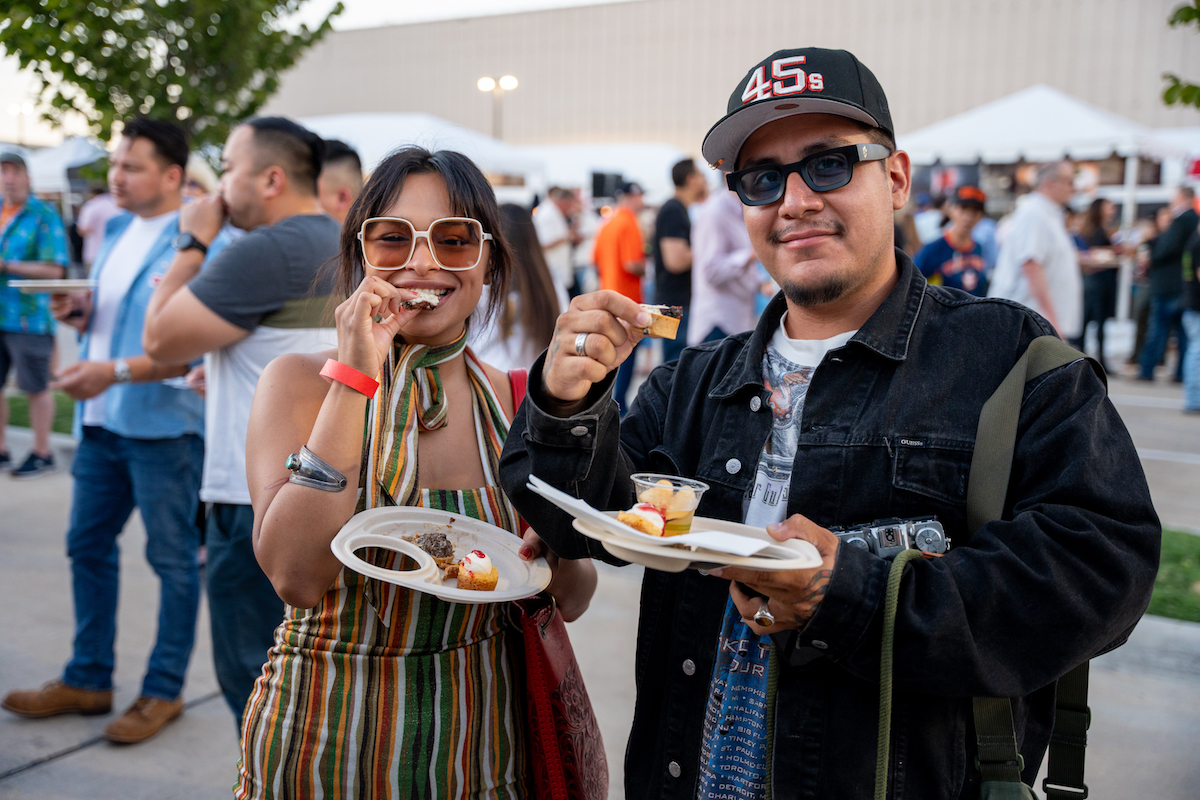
column 628, row 187
column 809, row 80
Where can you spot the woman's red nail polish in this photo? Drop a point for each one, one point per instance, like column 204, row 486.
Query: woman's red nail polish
column 525, row 552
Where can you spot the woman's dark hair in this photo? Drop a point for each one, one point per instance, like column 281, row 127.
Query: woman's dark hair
column 1093, row 219
column 470, row 196
column 536, row 303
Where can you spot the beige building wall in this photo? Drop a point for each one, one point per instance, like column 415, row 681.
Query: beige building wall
column 662, row 70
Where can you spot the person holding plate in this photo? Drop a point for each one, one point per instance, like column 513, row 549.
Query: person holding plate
column 372, row 688
column 856, row 398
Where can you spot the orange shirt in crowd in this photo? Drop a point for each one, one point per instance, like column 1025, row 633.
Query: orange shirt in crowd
column 618, row 243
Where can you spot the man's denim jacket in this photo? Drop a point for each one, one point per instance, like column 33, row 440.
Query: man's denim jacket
column 887, row 430
column 147, row 410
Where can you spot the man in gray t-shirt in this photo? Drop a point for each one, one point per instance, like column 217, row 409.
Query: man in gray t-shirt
column 262, row 296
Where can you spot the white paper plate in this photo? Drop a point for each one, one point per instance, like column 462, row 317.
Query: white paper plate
column 778, row 557
column 53, row 286
column 604, row 520
column 384, row 527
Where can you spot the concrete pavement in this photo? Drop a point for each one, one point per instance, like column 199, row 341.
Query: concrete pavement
column 1145, row 696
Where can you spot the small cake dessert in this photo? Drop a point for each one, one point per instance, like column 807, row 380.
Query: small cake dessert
column 645, row 518
column 476, row 572
column 677, row 504
column 436, row 544
column 664, row 321
column 425, row 299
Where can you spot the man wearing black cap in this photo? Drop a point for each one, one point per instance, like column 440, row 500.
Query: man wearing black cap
column 856, row 398
column 261, row 297
column 956, row 259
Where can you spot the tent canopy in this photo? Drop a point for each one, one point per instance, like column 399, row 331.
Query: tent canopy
column 374, row 135
column 48, row 166
column 1035, row 124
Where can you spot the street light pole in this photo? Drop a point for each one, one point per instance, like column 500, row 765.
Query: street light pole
column 506, row 84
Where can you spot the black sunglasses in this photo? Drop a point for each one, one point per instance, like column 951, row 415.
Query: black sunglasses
column 823, row 172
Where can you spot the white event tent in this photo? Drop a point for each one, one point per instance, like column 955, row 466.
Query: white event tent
column 374, row 135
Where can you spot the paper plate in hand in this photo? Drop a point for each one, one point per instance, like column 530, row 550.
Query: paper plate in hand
column 53, row 286
column 677, row 556
column 604, row 520
column 386, row 527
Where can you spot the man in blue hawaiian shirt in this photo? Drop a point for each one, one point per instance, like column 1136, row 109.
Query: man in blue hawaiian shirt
column 33, row 244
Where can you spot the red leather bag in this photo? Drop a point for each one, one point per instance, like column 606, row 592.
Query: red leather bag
column 566, row 752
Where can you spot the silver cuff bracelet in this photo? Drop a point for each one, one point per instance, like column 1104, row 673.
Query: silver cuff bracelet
column 308, row 470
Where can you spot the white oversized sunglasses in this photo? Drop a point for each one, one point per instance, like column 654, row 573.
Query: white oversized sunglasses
column 456, row 243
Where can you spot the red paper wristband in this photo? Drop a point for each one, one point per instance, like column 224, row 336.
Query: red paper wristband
column 349, row 376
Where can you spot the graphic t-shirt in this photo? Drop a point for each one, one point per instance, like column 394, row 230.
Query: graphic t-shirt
column 944, row 264
column 733, row 763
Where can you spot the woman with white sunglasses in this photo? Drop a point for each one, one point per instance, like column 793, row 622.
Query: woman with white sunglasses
column 371, row 689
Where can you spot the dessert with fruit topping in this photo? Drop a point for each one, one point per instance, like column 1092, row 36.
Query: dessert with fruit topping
column 476, row 572
column 645, row 518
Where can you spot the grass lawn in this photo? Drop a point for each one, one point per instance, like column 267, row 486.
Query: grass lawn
column 64, row 411
column 1177, row 587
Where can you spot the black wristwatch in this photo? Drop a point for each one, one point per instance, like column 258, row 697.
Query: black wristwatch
column 186, row 241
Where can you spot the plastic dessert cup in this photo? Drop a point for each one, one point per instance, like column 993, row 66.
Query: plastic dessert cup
column 675, row 497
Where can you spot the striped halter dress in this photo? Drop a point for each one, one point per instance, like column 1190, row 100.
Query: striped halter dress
column 383, row 692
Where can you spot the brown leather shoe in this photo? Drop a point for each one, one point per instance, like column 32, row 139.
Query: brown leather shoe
column 57, row 697
column 146, row 717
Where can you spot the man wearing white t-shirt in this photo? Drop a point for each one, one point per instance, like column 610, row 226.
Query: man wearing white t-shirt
column 855, row 398
column 557, row 235
column 140, row 445
column 1038, row 264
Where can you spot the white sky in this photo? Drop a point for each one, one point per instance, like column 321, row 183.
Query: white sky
column 16, row 88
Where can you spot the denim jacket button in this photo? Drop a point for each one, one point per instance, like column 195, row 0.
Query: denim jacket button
column 579, row 430
column 674, row 769
column 733, row 466
column 689, row 667
column 755, row 403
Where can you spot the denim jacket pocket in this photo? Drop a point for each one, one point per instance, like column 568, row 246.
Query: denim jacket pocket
column 934, row 469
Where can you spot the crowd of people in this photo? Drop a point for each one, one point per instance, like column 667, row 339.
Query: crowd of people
column 255, row 370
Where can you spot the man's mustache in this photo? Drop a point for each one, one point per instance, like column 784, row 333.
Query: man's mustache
column 821, row 225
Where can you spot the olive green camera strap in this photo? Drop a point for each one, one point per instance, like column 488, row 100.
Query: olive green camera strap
column 987, row 488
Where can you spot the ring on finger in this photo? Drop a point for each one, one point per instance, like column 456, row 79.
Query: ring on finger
column 581, row 344
column 763, row 617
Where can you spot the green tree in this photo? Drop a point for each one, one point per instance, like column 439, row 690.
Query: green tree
column 206, row 64
column 1179, row 90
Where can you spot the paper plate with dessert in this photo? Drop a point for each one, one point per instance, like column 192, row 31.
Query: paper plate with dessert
column 451, row 556
column 662, row 532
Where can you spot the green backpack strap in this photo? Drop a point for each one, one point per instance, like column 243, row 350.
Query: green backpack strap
column 1000, row 763
column 987, row 488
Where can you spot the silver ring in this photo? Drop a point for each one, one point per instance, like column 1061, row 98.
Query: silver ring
column 581, row 344
column 764, row 618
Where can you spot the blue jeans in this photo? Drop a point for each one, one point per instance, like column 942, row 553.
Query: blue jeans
column 1191, row 361
column 1166, row 314
column 244, row 608
column 162, row 478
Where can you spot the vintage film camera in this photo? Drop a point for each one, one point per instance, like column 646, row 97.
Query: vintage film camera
column 887, row 537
